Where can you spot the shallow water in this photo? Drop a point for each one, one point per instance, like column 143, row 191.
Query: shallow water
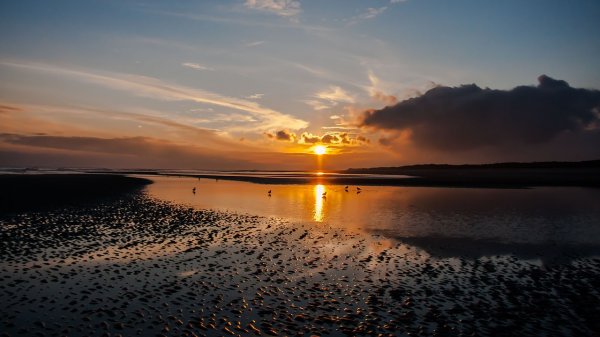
column 538, row 216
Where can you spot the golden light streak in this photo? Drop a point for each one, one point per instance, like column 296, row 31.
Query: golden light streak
column 319, row 200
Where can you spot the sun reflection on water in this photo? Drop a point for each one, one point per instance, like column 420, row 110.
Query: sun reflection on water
column 319, row 199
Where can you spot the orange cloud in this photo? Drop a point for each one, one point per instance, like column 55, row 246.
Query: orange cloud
column 309, row 138
column 386, row 99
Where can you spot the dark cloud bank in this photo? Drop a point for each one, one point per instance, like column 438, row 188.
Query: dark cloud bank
column 552, row 117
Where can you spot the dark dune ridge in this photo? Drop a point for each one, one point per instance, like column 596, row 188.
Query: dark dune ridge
column 583, row 174
column 23, row 192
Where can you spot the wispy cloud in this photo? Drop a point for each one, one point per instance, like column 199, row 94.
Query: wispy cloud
column 316, row 104
column 152, row 87
column 335, row 94
column 340, row 128
column 255, row 96
column 195, row 66
column 202, row 110
column 254, row 43
column 286, row 8
column 181, row 126
column 328, row 98
column 291, row 24
column 9, row 108
column 377, row 93
column 371, row 13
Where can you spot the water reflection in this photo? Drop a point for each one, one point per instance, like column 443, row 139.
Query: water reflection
column 319, row 199
column 541, row 215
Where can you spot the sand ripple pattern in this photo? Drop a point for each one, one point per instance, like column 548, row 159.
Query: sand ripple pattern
column 137, row 266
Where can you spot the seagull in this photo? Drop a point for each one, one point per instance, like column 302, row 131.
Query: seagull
column 269, row 192
column 358, row 189
column 194, row 190
column 346, row 188
column 324, row 194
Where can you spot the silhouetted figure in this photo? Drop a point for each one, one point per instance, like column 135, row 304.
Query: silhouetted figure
column 358, row 189
column 269, row 192
column 346, row 188
column 194, row 190
column 324, row 195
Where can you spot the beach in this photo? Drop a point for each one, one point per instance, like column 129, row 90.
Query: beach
column 391, row 168
column 135, row 265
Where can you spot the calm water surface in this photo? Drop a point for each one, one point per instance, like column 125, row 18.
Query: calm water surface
column 547, row 215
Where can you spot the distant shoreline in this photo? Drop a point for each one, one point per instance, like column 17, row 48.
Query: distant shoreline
column 587, row 164
column 496, row 178
column 465, row 179
column 497, row 175
column 511, row 174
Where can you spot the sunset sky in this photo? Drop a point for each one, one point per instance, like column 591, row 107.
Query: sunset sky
column 256, row 84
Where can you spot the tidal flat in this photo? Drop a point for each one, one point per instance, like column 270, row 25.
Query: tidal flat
column 135, row 265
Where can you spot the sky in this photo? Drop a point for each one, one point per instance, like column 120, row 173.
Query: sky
column 257, row 84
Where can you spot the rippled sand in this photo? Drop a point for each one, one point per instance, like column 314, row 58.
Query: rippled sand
column 137, row 266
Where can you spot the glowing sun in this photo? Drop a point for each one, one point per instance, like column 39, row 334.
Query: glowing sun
column 320, row 150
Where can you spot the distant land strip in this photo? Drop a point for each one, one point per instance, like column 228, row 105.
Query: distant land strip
column 512, row 174
column 504, row 165
column 496, row 175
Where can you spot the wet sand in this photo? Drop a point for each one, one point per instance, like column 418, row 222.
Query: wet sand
column 25, row 192
column 133, row 265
